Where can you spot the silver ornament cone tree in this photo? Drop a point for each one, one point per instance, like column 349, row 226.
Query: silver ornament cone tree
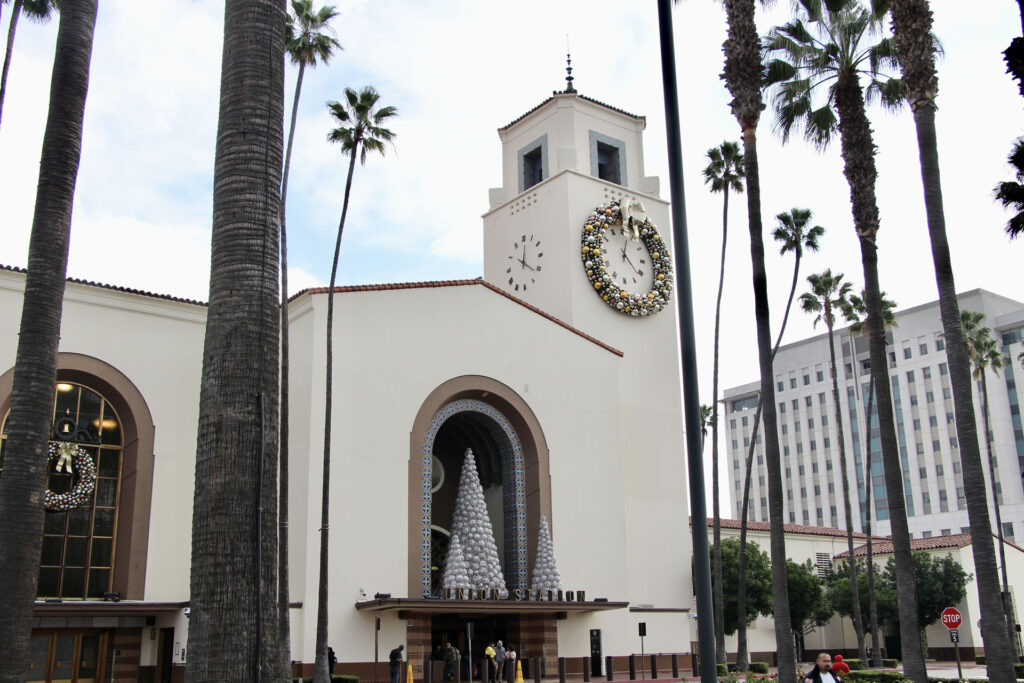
column 472, row 525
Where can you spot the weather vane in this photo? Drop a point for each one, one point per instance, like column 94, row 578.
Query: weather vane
column 568, row 67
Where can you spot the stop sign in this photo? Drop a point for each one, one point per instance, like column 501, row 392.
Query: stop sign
column 951, row 618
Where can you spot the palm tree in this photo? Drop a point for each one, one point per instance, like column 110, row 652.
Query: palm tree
column 360, row 131
column 724, row 173
column 985, row 354
column 912, row 24
column 792, row 232
column 309, row 40
column 1011, row 193
column 822, row 55
column 37, row 10
column 743, row 77
column 856, row 314
column 234, row 621
column 828, row 297
column 35, row 367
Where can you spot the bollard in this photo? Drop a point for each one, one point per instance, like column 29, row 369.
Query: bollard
column 632, row 667
column 654, row 667
column 561, row 670
column 586, row 669
column 609, row 675
column 428, row 669
column 675, row 666
column 535, row 668
column 457, row 674
column 510, row 671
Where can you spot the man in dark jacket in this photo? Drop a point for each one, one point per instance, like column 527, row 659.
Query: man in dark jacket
column 395, row 663
column 822, row 671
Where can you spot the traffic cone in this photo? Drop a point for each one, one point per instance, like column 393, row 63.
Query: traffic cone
column 519, row 671
column 408, row 673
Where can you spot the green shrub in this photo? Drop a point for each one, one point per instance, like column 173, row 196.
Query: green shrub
column 1018, row 670
column 731, row 666
column 854, row 664
column 890, row 663
column 345, row 678
column 874, row 677
column 758, row 667
column 979, row 660
column 723, row 670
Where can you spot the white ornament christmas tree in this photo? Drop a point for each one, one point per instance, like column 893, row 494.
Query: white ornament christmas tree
column 456, row 571
column 545, row 573
column 472, row 525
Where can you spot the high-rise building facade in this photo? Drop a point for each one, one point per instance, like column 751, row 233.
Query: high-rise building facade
column 925, row 426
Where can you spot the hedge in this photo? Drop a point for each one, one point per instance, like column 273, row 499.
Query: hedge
column 722, row 669
column 979, row 660
column 345, row 678
column 890, row 663
column 854, row 664
column 1018, row 670
column 758, row 667
column 874, row 677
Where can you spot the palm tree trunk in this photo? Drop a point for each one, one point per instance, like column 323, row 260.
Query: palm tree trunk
column 234, row 618
column 1010, row 631
column 858, row 624
column 15, row 12
column 35, row 368
column 876, row 650
column 284, row 618
column 741, row 584
column 780, row 590
column 320, row 666
column 716, row 504
column 859, row 168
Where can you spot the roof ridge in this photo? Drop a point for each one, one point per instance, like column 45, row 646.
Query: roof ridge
column 116, row 288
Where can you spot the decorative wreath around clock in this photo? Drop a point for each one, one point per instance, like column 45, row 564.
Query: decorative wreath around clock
column 592, row 252
column 68, row 456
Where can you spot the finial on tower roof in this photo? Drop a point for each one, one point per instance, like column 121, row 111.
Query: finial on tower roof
column 568, row 72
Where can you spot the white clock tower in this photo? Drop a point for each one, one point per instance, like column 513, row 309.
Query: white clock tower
column 560, row 161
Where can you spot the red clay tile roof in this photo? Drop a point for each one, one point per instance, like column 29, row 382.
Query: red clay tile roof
column 792, row 529
column 116, row 288
column 462, row 283
column 933, row 543
column 582, row 97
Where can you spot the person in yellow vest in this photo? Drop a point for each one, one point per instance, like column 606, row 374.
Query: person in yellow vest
column 489, row 656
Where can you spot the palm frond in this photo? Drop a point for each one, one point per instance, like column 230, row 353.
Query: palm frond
column 890, row 92
column 820, row 126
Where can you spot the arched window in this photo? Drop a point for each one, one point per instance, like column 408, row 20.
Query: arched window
column 79, row 544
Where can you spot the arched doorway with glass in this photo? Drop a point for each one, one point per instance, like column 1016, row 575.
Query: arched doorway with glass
column 83, row 484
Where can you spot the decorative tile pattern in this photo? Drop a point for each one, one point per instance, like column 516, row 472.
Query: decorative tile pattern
column 513, row 486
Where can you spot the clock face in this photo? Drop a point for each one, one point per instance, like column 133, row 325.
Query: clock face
column 627, row 260
column 524, row 263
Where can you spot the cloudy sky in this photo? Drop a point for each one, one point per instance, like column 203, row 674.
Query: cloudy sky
column 457, row 70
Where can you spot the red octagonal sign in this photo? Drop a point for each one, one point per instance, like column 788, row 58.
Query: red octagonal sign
column 951, row 618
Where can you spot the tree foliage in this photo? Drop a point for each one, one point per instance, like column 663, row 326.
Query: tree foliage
column 759, row 582
column 809, row 606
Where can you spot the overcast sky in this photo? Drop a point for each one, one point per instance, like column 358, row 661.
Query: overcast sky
column 457, row 70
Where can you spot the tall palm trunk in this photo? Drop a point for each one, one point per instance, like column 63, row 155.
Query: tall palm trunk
column 741, row 584
column 859, row 169
column 716, row 504
column 876, row 650
column 1010, row 631
column 284, row 618
column 234, row 618
column 320, row 666
column 35, row 367
column 911, row 27
column 858, row 624
column 15, row 13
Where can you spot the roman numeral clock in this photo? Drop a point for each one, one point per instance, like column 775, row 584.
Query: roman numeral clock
column 524, row 263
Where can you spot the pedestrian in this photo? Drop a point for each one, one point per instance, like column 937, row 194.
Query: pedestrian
column 510, row 661
column 395, row 663
column 822, row 671
column 437, row 655
column 840, row 667
column 332, row 659
column 451, row 661
column 489, row 656
column 499, row 660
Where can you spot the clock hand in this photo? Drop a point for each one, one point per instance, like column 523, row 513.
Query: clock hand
column 524, row 264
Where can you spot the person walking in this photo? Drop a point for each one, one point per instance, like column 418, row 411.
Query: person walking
column 510, row 662
column 451, row 661
column 499, row 660
column 840, row 667
column 822, row 671
column 395, row 663
column 332, row 660
column 489, row 657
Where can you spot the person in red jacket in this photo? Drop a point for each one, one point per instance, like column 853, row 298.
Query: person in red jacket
column 840, row 667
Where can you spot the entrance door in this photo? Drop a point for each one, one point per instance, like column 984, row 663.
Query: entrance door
column 66, row 657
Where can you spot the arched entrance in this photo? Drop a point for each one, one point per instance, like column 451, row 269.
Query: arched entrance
column 511, row 454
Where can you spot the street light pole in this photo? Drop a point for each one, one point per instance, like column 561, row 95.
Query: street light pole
column 691, row 398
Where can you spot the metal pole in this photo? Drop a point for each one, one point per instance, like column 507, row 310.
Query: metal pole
column 956, row 646
column 684, row 305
